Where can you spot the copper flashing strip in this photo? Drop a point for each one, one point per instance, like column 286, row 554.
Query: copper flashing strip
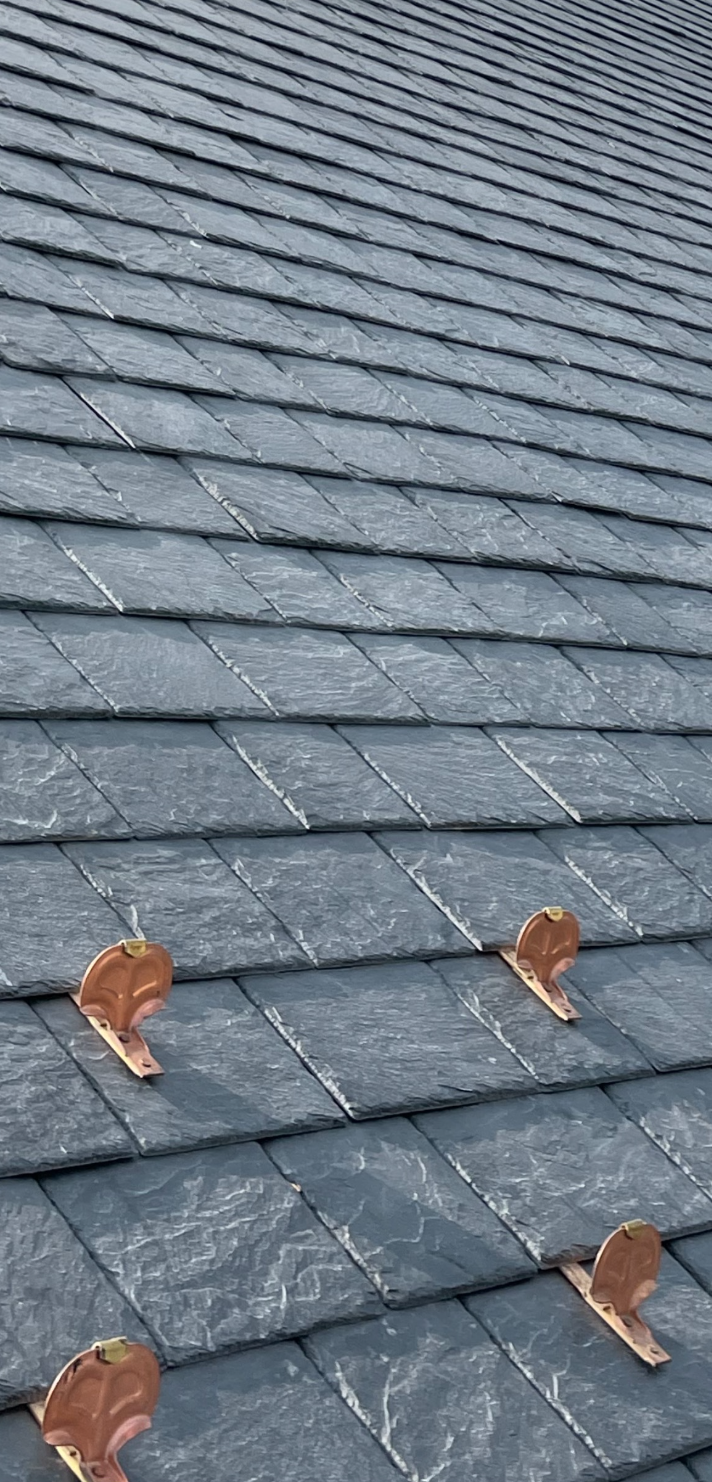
column 547, row 945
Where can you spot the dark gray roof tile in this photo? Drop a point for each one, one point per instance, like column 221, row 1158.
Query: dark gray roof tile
column 655, row 691
column 174, row 778
column 36, row 679
column 489, row 883
column 274, row 1270
column 489, row 529
column 676, row 1112
column 321, row 779
column 402, row 1213
column 182, row 895
column 142, row 355
column 152, row 490
column 454, row 777
column 42, row 478
column 273, row 505
column 605, row 1392
column 439, row 680
column 65, row 1291
column 634, row 621
column 228, row 1075
column 43, row 794
column 641, row 882
column 158, row 420
column 678, row 764
column 390, row 519
column 32, row 338
column 160, row 573
column 43, row 406
column 49, row 1115
column 563, row 1170
column 270, row 434
column 428, row 1051
column 53, row 922
column 36, row 572
column 143, row 667
column 657, row 995
column 547, row 688
column 423, row 1381
column 526, row 604
column 589, row 776
column 558, row 1055
column 408, row 595
column 295, row 585
column 341, row 897
column 308, row 674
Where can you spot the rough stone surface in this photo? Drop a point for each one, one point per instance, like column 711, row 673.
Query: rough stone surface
column 215, row 1249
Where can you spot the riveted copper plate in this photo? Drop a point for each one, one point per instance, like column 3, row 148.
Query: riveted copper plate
column 625, row 1272
column 547, row 945
column 100, row 1400
column 123, row 986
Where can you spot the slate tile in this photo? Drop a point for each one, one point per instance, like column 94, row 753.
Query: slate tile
column 564, row 1170
column 35, row 573
column 406, row 594
column 390, row 519
column 453, row 777
column 439, row 680
column 546, row 686
column 43, row 479
column 636, row 879
column 216, row 1249
column 176, row 778
column 689, row 847
column 622, row 607
column 57, row 1302
column 585, row 540
column 588, row 775
column 371, row 450
column 402, row 1213
column 667, row 551
column 273, row 505
column 153, row 419
column 429, row 1051
column 271, row 435
column 26, row 1457
column 696, row 675
column 348, row 389
column 679, row 764
column 295, row 585
column 657, row 995
column 135, row 297
column 341, row 898
column 320, row 778
column 308, row 674
column 526, row 604
column 444, row 1400
column 574, row 1360
column 33, row 338
column 651, row 689
column 180, row 894
column 144, row 355
column 148, row 489
column 49, row 1115
column 490, row 883
column 675, row 1111
column 227, row 1075
column 43, row 794
column 687, row 612
column 250, row 373
column 559, row 1056
column 144, row 666
column 489, row 529
column 52, row 922
column 265, row 1413
column 152, row 572
column 34, row 677
column 44, row 406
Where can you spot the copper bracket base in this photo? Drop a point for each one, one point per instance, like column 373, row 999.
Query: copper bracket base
column 631, row 1328
column 554, row 997
column 68, row 1454
column 130, row 1046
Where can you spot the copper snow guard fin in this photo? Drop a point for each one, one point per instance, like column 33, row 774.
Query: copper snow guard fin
column 625, row 1272
column 122, row 987
column 100, row 1400
column 547, row 945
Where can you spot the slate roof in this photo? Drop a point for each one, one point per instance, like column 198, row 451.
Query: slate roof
column 356, row 586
